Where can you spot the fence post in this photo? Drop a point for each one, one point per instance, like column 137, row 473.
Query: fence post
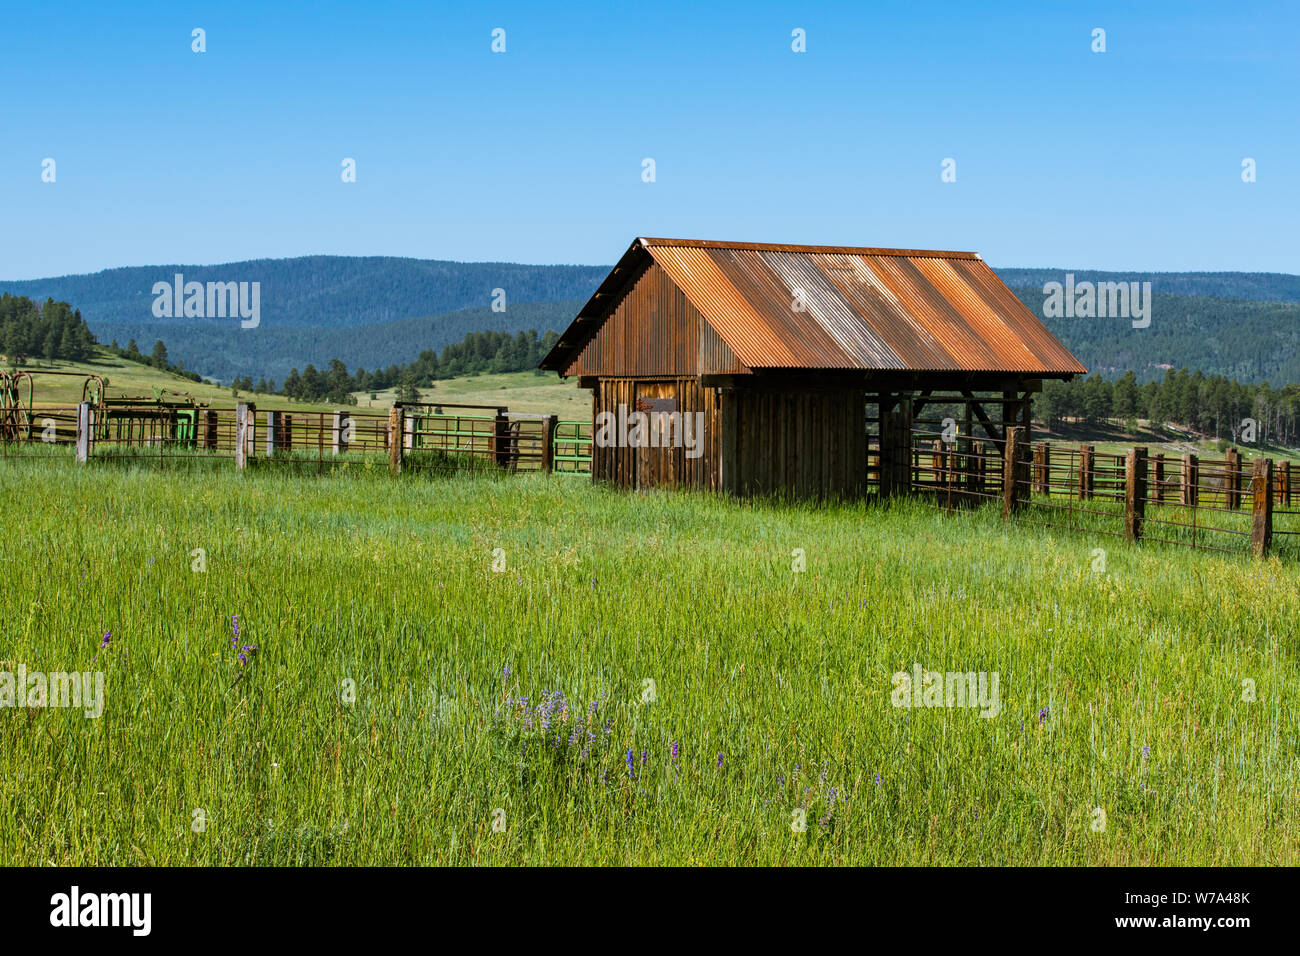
column 396, row 439
column 1085, row 472
column 340, row 442
column 548, row 443
column 1284, row 480
column 243, row 434
column 273, row 426
column 84, row 425
column 1189, row 480
column 1159, row 479
column 1261, row 487
column 1015, row 470
column 1232, row 477
column 1135, row 492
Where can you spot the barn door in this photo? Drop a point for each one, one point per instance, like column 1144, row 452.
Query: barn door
column 654, row 466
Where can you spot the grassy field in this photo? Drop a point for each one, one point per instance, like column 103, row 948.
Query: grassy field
column 520, row 391
column 127, row 378
column 407, row 702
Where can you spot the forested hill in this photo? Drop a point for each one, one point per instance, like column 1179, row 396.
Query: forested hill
column 323, row 291
column 1260, row 286
column 379, row 311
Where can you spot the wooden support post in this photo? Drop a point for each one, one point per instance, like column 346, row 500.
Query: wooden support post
column 1085, row 472
column 85, row 423
column 243, row 434
column 209, row 440
column 273, row 426
column 1135, row 492
column 1191, row 480
column 895, row 446
column 408, row 432
column 1284, row 484
column 1261, row 488
column 548, row 443
column 501, row 451
column 728, row 459
column 1232, row 477
column 396, row 439
column 339, row 445
column 1159, row 495
column 1015, row 471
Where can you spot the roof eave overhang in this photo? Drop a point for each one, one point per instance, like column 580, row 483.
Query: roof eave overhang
column 589, row 318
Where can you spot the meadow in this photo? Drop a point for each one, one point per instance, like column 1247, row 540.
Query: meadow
column 472, row 670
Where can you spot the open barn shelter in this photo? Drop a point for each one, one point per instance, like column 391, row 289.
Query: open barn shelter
column 807, row 369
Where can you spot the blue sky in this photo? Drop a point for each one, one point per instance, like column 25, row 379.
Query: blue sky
column 1128, row 159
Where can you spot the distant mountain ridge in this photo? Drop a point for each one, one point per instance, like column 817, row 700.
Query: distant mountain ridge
column 1258, row 286
column 323, row 291
column 375, row 311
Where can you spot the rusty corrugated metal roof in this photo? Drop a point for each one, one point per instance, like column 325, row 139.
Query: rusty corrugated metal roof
column 864, row 308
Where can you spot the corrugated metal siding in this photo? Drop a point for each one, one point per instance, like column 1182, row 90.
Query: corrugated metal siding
column 655, row 331
column 866, row 309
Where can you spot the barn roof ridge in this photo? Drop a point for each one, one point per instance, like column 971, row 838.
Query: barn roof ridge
column 802, row 248
column 863, row 308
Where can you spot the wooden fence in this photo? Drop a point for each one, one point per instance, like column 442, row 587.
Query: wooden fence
column 1222, row 504
column 412, row 437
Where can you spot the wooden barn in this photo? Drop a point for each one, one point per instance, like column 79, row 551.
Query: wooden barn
column 756, row 368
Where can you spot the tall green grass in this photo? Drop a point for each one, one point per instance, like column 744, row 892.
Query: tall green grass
column 1120, row 690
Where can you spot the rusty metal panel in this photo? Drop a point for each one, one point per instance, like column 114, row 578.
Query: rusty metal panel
column 871, row 309
column 708, row 306
column 853, row 339
column 885, row 313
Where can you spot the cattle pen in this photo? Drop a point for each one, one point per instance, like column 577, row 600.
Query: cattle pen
column 1226, row 502
column 763, row 370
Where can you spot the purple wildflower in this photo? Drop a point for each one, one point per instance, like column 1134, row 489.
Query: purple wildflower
column 108, row 636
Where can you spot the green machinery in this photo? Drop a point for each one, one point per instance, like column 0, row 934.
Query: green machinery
column 168, row 418
column 165, row 418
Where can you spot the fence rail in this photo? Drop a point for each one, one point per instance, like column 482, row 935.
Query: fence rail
column 1225, row 504
column 415, row 436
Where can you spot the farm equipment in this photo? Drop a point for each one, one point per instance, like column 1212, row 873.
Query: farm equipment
column 18, row 413
column 170, row 418
column 166, row 417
